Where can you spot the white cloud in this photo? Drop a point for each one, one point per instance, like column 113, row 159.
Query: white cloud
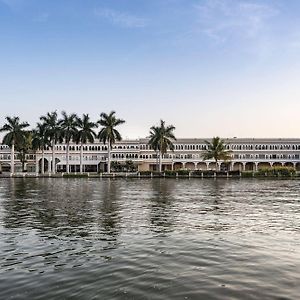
column 221, row 20
column 122, row 19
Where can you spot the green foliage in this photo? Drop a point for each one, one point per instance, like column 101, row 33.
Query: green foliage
column 162, row 137
column 247, row 174
column 108, row 133
column 51, row 123
column 216, row 149
column 15, row 131
column 85, row 130
column 116, row 166
column 236, row 173
column 170, row 173
column 182, row 172
column 209, row 173
column 197, row 172
column 68, row 126
column 128, row 166
column 276, row 172
column 146, row 173
column 24, row 146
column 39, row 137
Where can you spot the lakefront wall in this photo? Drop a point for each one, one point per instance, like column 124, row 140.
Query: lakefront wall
column 246, row 155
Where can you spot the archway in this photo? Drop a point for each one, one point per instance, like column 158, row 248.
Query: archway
column 5, row 167
column 277, row 164
column 178, row 166
column 289, row 164
column 190, row 166
column 225, row 166
column 263, row 165
column 250, row 166
column 201, row 166
column 18, row 167
column 237, row 166
column 212, row 166
column 46, row 165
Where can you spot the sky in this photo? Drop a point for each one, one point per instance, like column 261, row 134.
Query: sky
column 224, row 68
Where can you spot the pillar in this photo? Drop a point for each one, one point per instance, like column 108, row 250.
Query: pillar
column 244, row 166
column 37, row 166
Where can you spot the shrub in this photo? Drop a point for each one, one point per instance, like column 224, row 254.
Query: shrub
column 247, row 174
column 276, row 171
column 209, row 173
column 197, row 172
column 182, row 172
column 170, row 173
column 145, row 173
column 237, row 173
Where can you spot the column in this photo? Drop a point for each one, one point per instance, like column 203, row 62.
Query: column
column 244, row 166
column 37, row 165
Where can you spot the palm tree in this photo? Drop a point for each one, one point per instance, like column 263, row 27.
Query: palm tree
column 108, row 133
column 85, row 133
column 216, row 149
column 40, row 141
column 16, row 134
column 68, row 127
column 161, row 139
column 53, row 132
column 24, row 147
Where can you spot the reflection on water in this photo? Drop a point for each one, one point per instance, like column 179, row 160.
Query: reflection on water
column 161, row 211
column 149, row 239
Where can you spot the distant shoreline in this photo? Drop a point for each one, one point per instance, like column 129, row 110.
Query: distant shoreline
column 147, row 175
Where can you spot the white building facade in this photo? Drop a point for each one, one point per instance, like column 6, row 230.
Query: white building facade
column 246, row 155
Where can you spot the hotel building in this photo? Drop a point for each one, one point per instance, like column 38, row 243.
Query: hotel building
column 247, row 155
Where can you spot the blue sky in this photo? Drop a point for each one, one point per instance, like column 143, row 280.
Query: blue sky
column 209, row 67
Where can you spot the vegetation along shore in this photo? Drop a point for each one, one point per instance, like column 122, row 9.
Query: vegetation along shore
column 59, row 133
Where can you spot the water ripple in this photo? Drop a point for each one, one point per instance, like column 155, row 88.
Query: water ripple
column 149, row 239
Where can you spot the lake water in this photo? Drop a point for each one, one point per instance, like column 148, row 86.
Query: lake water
column 149, row 239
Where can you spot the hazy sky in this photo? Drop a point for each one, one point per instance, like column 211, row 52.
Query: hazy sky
column 209, row 67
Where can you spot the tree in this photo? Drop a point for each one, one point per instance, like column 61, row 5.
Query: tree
column 129, row 166
column 15, row 135
column 68, row 128
column 85, row 133
column 108, row 134
column 161, row 139
column 53, row 132
column 39, row 141
column 116, row 166
column 24, row 147
column 216, row 149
